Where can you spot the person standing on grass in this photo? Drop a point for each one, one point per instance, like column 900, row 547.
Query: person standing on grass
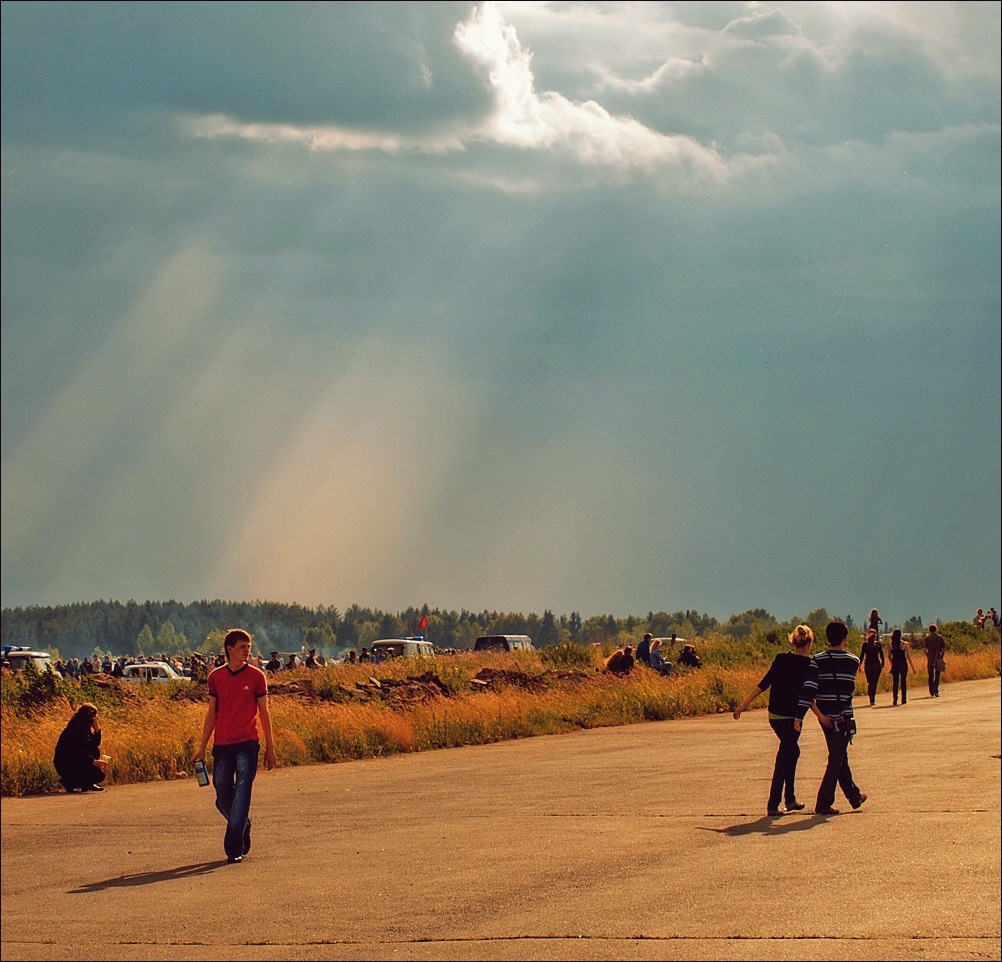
column 901, row 661
column 238, row 694
column 872, row 657
column 828, row 689
column 784, row 681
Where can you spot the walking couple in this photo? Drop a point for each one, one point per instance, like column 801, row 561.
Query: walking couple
column 824, row 684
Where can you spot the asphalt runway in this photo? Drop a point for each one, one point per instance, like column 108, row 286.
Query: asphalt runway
column 643, row 842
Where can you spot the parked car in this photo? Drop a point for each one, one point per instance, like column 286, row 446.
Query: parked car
column 504, row 643
column 403, row 648
column 17, row 658
column 158, row 672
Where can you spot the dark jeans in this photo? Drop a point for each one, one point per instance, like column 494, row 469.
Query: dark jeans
column 785, row 772
column 872, row 677
column 233, row 771
column 836, row 771
column 934, row 674
column 900, row 677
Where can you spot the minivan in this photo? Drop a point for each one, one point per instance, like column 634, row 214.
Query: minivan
column 17, row 658
column 403, row 648
column 504, row 643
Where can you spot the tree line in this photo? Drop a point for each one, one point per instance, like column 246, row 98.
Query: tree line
column 177, row 628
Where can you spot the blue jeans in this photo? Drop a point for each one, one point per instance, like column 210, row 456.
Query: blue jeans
column 837, row 771
column 784, row 774
column 233, row 771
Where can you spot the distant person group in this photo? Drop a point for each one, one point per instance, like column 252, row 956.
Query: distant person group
column 986, row 620
column 651, row 652
column 824, row 685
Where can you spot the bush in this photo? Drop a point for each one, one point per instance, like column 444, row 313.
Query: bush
column 570, row 655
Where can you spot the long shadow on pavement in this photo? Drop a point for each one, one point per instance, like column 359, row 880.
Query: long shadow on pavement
column 768, row 825
column 148, row 878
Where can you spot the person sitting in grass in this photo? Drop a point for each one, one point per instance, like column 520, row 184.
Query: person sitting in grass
column 621, row 662
column 658, row 661
column 688, row 657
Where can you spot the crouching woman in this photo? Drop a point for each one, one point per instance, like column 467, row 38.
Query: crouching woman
column 78, row 761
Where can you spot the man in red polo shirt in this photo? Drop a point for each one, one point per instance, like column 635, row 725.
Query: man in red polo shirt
column 238, row 693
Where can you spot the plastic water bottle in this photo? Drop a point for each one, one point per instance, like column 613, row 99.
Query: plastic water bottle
column 201, row 773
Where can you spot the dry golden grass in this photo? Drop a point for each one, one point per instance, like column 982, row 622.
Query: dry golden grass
column 330, row 719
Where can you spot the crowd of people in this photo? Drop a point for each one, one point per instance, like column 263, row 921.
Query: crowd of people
column 197, row 666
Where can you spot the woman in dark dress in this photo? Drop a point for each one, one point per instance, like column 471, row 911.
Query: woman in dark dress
column 786, row 679
column 901, row 661
column 78, row 752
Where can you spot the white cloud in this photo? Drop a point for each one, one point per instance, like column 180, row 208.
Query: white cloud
column 522, row 118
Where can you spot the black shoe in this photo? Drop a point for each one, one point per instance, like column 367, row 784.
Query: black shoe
column 795, row 806
column 234, row 858
column 827, row 811
column 859, row 802
column 247, row 839
column 774, row 813
column 93, row 788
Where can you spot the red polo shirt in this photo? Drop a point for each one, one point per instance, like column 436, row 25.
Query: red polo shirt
column 236, row 694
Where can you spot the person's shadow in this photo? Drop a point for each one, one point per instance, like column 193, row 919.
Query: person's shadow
column 768, row 825
column 148, row 878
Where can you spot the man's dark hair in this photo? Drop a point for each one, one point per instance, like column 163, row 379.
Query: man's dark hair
column 836, row 632
column 233, row 637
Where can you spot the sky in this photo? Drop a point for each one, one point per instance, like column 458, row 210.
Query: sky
column 596, row 307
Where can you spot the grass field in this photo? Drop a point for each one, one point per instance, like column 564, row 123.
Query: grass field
column 345, row 712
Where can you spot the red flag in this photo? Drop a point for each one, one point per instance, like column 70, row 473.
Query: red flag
column 423, row 623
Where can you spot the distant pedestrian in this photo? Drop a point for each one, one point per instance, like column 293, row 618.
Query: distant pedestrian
column 900, row 658
column 785, row 681
column 238, row 694
column 828, row 691
column 935, row 651
column 874, row 622
column 872, row 657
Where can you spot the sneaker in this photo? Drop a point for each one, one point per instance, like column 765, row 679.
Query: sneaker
column 795, row 806
column 234, row 858
column 859, row 803
column 93, row 788
column 827, row 811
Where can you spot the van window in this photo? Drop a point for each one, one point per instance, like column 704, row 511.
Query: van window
column 503, row 643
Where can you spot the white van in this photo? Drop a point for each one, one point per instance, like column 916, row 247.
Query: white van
column 155, row 671
column 504, row 643
column 403, row 648
column 18, row 658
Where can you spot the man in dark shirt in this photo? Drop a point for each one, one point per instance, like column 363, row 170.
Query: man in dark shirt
column 828, row 691
column 644, row 649
column 935, row 649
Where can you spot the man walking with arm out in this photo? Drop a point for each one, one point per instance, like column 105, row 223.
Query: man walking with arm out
column 828, row 689
column 238, row 693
